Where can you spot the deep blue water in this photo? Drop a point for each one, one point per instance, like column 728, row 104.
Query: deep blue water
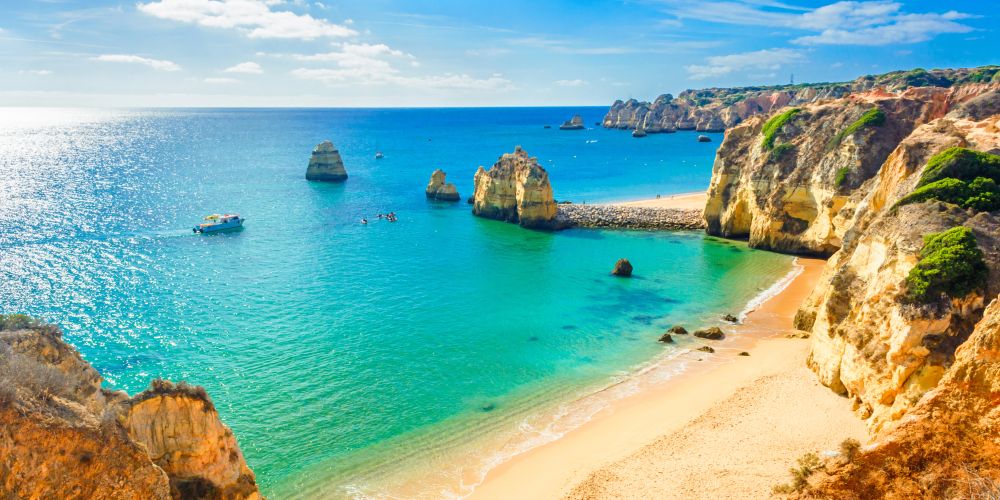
column 338, row 351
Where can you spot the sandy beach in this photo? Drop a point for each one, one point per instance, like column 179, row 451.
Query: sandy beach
column 730, row 426
column 687, row 201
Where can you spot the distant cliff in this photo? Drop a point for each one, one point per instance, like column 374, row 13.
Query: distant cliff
column 717, row 109
column 63, row 436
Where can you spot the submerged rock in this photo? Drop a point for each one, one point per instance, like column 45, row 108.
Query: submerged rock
column 326, row 164
column 575, row 123
column 439, row 189
column 639, row 132
column 623, row 268
column 666, row 339
column 516, row 189
column 710, row 333
column 730, row 318
column 678, row 330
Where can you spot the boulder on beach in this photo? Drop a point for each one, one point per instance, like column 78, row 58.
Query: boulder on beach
column 666, row 339
column 623, row 268
column 704, row 138
column 575, row 123
column 706, row 348
column 730, row 318
column 439, row 189
column 743, row 353
column 326, row 164
column 710, row 333
column 677, row 330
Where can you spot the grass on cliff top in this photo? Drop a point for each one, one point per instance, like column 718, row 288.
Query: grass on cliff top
column 773, row 125
column 960, row 176
column 162, row 387
column 961, row 163
column 950, row 263
column 872, row 118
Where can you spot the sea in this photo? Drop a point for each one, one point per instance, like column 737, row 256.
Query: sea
column 394, row 359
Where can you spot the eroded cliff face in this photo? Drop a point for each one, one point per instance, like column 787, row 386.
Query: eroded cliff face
column 948, row 446
column 438, row 188
column 325, row 164
column 515, row 189
column 798, row 192
column 717, row 109
column 62, row 436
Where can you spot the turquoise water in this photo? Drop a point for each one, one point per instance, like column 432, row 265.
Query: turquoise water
column 339, row 352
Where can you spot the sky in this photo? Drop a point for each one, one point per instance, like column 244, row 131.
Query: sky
column 388, row 53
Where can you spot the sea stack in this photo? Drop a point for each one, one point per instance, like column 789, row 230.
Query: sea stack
column 515, row 189
column 326, row 164
column 575, row 123
column 623, row 268
column 438, row 189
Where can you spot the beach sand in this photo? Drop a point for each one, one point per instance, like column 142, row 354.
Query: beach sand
column 687, row 201
column 729, row 427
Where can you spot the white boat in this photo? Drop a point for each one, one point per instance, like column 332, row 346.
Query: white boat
column 219, row 222
column 379, row 155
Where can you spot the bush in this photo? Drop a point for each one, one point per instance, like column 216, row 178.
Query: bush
column 10, row 322
column 849, row 448
column 773, row 126
column 950, row 263
column 841, row 176
column 985, row 196
column 982, row 194
column 872, row 118
column 808, row 464
column 780, row 150
column 962, row 164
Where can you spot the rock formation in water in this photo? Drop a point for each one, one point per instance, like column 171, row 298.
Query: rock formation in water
column 515, row 189
column 710, row 333
column 576, row 123
column 326, row 164
column 900, row 188
column 622, row 268
column 439, row 189
column 639, row 132
column 63, row 436
column 717, row 109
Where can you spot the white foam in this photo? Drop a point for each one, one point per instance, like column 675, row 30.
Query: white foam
column 773, row 290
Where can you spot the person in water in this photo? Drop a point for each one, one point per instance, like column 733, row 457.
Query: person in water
column 364, row 220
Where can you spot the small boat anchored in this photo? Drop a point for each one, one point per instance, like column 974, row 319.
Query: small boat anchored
column 219, row 222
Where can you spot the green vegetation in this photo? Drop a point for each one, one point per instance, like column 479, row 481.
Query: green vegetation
column 841, row 176
column 985, row 75
column 961, row 163
column 774, row 125
column 808, row 464
column 950, row 263
column 922, row 78
column 780, row 150
column 872, row 118
column 960, row 176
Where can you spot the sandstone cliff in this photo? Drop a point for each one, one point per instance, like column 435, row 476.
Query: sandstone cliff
column 63, row 436
column 439, row 189
column 716, row 109
column 515, row 189
column 326, row 164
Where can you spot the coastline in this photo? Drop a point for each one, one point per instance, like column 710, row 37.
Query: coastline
column 681, row 201
column 668, row 436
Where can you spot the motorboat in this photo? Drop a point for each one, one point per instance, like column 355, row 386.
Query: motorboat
column 219, row 222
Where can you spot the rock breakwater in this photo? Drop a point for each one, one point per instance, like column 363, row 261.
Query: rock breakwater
column 626, row 217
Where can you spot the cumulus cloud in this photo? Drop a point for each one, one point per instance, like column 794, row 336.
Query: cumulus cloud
column 248, row 67
column 570, row 83
column 157, row 64
column 877, row 22
column 767, row 59
column 379, row 76
column 254, row 18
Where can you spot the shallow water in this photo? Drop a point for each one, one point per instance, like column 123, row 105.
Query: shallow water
column 339, row 353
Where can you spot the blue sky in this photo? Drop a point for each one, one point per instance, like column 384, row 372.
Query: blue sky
column 461, row 53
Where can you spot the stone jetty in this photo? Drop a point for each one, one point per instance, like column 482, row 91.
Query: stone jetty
column 628, row 217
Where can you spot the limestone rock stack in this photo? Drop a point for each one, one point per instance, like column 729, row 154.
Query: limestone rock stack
column 439, row 189
column 575, row 123
column 515, row 189
column 326, row 164
column 63, row 436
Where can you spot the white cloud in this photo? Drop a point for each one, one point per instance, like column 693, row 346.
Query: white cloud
column 248, row 67
column 570, row 83
column 488, row 51
column 876, row 22
column 382, row 76
column 36, row 72
column 157, row 64
column 767, row 59
column 254, row 18
column 224, row 81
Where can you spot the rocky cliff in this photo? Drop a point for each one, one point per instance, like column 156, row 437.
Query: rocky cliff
column 717, row 109
column 63, row 436
column 326, row 164
column 515, row 189
column 438, row 188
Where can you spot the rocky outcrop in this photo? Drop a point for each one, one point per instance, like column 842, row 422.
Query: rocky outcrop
column 516, row 189
column 326, row 164
column 575, row 123
column 439, row 189
column 717, row 109
column 710, row 333
column 629, row 217
column 622, row 268
column 796, row 188
column 63, row 436
column 948, row 446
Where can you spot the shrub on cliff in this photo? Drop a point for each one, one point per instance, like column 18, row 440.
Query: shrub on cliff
column 950, row 263
column 773, row 126
column 872, row 118
column 780, row 150
column 960, row 176
column 962, row 164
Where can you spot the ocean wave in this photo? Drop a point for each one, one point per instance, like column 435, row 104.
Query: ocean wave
column 773, row 290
